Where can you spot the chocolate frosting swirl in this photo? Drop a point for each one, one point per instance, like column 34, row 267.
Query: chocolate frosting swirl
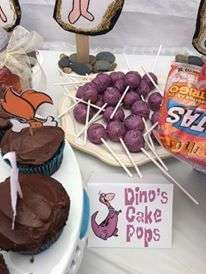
column 41, row 214
column 3, row 266
column 33, row 149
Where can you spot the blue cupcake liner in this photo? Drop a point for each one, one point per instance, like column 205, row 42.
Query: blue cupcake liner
column 45, row 246
column 48, row 168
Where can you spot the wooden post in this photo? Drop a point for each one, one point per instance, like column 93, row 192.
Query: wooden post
column 82, row 44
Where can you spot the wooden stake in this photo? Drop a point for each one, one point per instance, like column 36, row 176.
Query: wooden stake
column 82, row 44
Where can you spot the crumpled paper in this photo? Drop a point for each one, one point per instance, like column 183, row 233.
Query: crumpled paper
column 15, row 57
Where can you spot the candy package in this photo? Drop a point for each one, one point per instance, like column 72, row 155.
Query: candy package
column 182, row 119
column 15, row 62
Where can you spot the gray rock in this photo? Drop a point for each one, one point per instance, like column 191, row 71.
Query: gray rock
column 180, row 58
column 64, row 62
column 195, row 60
column 106, row 56
column 73, row 58
column 102, row 66
column 81, row 69
column 67, row 70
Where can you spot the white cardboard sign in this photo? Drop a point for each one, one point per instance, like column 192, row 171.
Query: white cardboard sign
column 131, row 215
column 91, row 17
column 10, row 14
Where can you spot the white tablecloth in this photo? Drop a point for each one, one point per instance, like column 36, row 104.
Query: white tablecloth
column 188, row 254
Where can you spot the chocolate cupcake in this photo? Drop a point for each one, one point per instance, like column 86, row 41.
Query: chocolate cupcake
column 3, row 266
column 39, row 151
column 41, row 214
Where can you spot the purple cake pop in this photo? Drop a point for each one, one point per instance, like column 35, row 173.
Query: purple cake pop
column 154, row 101
column 144, row 88
column 155, row 117
column 130, row 98
column 133, row 79
column 119, row 115
column 116, row 75
column 134, row 122
column 141, row 108
column 96, row 132
column 134, row 140
column 149, row 82
column 103, row 81
column 80, row 113
column 90, row 93
column 115, row 130
column 80, row 92
column 120, row 85
column 112, row 96
column 100, row 101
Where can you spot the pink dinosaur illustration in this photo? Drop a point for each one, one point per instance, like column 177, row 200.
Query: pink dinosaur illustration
column 108, row 227
column 80, row 8
column 3, row 15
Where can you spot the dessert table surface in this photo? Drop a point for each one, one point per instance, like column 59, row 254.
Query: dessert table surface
column 189, row 238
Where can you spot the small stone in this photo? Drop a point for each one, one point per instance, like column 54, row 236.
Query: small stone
column 102, row 66
column 67, row 70
column 73, row 58
column 81, row 69
column 113, row 66
column 62, row 55
column 90, row 67
column 180, row 58
column 64, row 62
column 106, row 56
column 195, row 60
column 92, row 59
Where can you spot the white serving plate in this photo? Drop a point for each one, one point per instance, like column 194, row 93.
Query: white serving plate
column 72, row 128
column 65, row 255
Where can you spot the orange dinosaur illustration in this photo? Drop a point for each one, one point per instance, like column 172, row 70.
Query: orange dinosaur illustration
column 25, row 105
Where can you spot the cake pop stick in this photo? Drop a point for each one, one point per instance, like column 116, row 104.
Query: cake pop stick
column 92, row 120
column 148, row 131
column 156, row 58
column 82, row 101
column 114, row 155
column 149, row 136
column 68, row 110
column 87, row 121
column 131, row 158
column 119, row 103
column 151, row 79
column 70, row 83
column 156, row 155
column 170, row 177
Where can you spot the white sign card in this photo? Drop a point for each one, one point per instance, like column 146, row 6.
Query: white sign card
column 90, row 17
column 131, row 215
column 10, row 14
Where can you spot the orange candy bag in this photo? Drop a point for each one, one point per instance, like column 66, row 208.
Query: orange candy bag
column 182, row 119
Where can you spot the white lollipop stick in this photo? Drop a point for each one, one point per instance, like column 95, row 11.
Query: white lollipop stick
column 149, row 136
column 131, row 158
column 151, row 79
column 87, row 121
column 68, row 110
column 151, row 129
column 117, row 158
column 82, row 101
column 70, row 83
column 119, row 103
column 156, row 58
column 156, row 155
column 170, row 177
column 92, row 120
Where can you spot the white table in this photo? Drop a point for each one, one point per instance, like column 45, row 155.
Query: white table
column 188, row 254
